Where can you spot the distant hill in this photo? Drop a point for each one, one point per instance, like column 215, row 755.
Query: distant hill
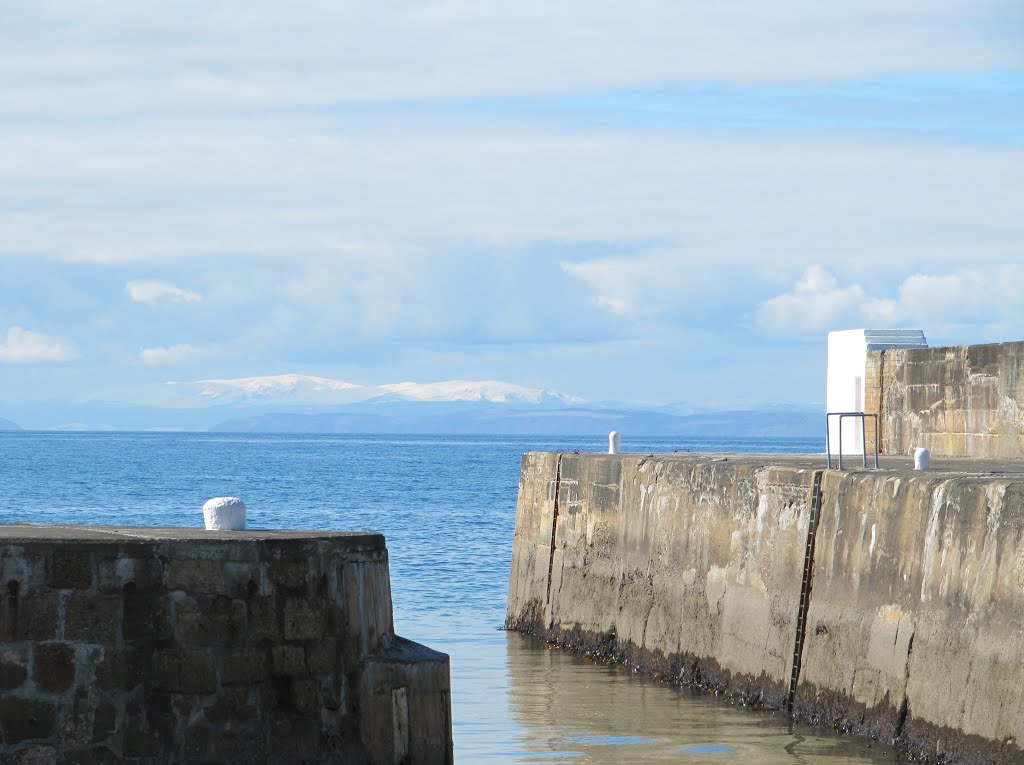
column 293, row 403
column 491, row 420
column 8, row 425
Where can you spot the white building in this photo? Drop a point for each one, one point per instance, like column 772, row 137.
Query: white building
column 845, row 391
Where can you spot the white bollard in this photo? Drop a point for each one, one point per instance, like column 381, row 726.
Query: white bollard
column 922, row 459
column 224, row 514
column 613, row 442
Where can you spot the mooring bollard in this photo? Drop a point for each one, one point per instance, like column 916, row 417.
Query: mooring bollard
column 224, row 514
column 922, row 459
column 613, row 442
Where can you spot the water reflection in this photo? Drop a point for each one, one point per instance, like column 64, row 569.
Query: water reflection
column 572, row 711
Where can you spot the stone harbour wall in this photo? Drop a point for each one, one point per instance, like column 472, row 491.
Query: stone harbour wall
column 916, row 619
column 889, row 606
column 958, row 401
column 135, row 645
column 669, row 563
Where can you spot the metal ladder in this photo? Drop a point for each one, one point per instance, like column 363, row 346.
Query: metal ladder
column 805, row 588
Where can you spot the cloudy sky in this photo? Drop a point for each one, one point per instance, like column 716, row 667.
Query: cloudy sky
column 656, row 201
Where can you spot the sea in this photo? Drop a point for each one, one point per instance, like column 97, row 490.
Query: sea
column 446, row 505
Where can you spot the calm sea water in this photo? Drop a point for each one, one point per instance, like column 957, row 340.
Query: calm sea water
column 447, row 508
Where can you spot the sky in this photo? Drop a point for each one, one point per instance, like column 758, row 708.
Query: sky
column 663, row 201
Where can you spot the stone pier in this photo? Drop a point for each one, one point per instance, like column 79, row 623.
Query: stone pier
column 885, row 602
column 146, row 645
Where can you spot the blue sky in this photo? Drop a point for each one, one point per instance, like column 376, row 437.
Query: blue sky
column 654, row 202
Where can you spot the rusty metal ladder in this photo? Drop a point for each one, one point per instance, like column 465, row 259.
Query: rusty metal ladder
column 805, row 588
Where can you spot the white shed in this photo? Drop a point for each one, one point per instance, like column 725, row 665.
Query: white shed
column 847, row 361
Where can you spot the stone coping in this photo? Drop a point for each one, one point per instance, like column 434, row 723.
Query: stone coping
column 851, row 462
column 90, row 533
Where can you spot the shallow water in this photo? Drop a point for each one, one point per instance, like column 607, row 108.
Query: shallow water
column 573, row 711
column 447, row 507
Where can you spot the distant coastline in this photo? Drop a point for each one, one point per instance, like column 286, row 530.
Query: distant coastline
column 430, row 418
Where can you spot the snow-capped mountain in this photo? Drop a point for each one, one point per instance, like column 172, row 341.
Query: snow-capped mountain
column 295, row 390
column 466, row 390
column 291, row 388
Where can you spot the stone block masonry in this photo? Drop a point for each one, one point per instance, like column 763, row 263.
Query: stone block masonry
column 136, row 645
column 957, row 401
column 897, row 614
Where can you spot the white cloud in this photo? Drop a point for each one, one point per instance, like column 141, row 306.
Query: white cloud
column 974, row 305
column 989, row 299
column 153, row 290
column 338, row 197
column 744, row 200
column 174, row 354
column 643, row 284
column 410, row 294
column 604, row 277
column 25, row 347
column 816, row 303
column 100, row 56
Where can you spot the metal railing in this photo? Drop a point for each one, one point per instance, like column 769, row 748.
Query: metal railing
column 863, row 436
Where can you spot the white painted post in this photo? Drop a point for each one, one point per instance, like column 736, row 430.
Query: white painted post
column 922, row 459
column 224, row 514
column 613, row 442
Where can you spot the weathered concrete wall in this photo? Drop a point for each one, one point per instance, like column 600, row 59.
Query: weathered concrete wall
column 693, row 569
column 960, row 401
column 184, row 645
column 916, row 622
column 689, row 568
